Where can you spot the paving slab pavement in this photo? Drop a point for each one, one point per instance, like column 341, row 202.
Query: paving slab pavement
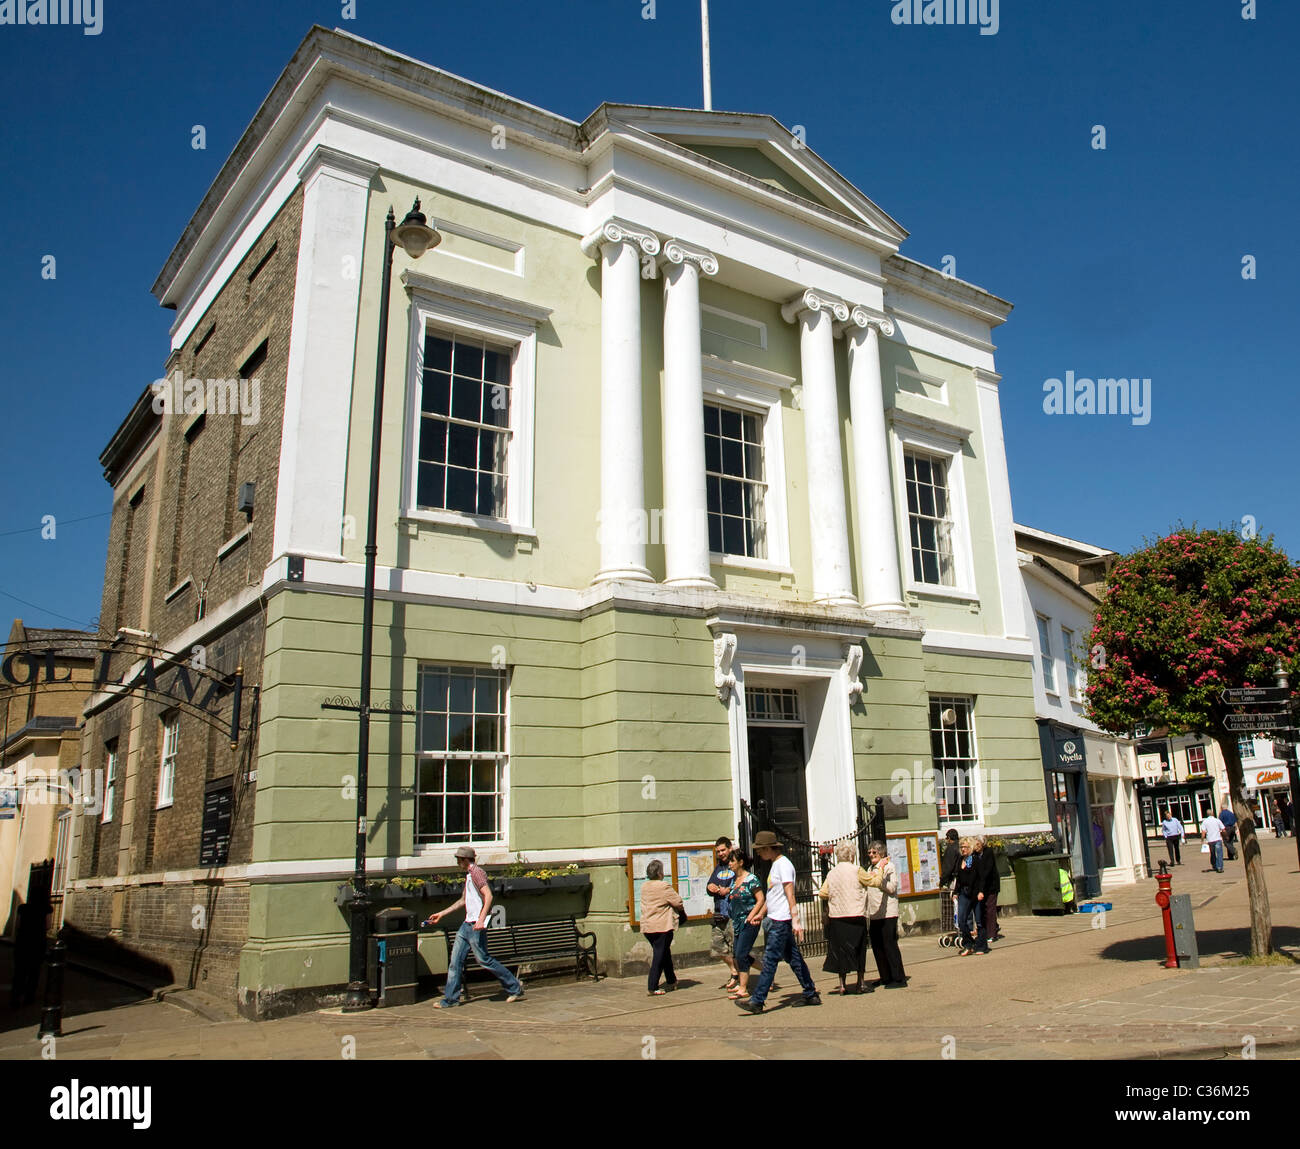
column 1074, row 987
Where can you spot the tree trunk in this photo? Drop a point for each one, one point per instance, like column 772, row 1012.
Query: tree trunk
column 1261, row 918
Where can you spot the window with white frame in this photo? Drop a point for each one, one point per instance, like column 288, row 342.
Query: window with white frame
column 1072, row 681
column 1246, row 746
column 736, row 481
column 930, row 522
column 464, row 426
column 62, row 837
column 171, row 736
column 110, row 779
column 1046, row 659
column 956, row 764
column 460, row 767
column 744, row 463
column 1196, row 763
column 469, row 452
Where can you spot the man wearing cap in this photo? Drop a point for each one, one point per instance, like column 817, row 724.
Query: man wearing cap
column 477, row 900
column 783, row 930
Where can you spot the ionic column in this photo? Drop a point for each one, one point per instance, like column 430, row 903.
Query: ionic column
column 622, row 521
column 686, row 508
column 828, row 521
column 878, row 541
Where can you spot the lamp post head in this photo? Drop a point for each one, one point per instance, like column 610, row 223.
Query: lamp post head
column 414, row 235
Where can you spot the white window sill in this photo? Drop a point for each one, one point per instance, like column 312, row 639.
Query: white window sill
column 231, row 543
column 177, row 589
column 742, row 562
column 928, row 590
column 446, row 855
column 165, row 805
column 471, row 522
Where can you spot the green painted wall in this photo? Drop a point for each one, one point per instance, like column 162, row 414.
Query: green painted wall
column 616, row 739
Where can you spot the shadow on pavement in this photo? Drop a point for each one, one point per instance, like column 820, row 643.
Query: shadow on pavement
column 83, row 993
column 1233, row 943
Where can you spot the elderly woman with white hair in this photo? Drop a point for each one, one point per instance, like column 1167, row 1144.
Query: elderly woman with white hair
column 661, row 907
column 845, row 892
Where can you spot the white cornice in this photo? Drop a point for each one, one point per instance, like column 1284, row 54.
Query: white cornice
column 746, row 373
column 927, row 423
column 424, row 286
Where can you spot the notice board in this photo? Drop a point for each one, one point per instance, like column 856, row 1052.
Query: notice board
column 686, row 867
column 915, row 854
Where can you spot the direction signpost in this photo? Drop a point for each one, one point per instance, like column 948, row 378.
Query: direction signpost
column 1259, row 722
column 1273, row 717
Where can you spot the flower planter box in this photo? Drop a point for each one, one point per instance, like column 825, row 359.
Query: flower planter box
column 501, row 887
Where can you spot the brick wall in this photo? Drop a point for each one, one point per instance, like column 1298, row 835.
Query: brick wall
column 196, row 467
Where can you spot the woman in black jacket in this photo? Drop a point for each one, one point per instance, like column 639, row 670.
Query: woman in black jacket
column 967, row 903
column 987, row 885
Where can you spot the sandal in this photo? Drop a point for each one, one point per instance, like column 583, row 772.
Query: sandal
column 732, row 982
column 657, row 992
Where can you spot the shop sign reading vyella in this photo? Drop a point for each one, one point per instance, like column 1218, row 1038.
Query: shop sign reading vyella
column 1069, row 753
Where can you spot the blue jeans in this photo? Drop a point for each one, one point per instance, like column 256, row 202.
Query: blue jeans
column 781, row 947
column 745, row 937
column 968, row 915
column 1216, row 856
column 468, row 938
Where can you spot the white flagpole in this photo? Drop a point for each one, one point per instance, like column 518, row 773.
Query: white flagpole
column 704, row 37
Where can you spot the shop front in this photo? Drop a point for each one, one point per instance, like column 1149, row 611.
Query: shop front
column 1268, row 793
column 1065, row 774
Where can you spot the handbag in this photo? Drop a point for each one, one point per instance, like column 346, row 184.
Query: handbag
column 1205, row 847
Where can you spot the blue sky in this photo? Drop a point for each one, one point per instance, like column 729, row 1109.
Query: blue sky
column 1121, row 262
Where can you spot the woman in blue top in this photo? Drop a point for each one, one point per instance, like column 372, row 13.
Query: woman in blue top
column 746, row 901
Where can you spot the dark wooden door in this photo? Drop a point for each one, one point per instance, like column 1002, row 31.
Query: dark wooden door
column 777, row 776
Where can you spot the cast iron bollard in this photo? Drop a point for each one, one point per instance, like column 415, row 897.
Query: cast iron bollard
column 52, row 1014
column 1163, row 894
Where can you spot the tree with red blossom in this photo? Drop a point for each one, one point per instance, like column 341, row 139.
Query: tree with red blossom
column 1180, row 621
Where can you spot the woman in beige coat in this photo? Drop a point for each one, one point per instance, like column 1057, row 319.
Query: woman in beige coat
column 661, row 908
column 845, row 891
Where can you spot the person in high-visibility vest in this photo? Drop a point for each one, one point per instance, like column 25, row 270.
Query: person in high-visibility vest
column 1067, row 890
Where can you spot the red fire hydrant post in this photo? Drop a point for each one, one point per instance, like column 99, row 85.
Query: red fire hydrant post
column 1163, row 894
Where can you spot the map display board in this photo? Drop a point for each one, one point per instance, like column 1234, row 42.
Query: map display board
column 915, row 854
column 686, row 867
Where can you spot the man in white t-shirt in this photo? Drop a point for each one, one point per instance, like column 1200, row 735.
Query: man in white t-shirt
column 477, row 900
column 783, row 928
column 1212, row 828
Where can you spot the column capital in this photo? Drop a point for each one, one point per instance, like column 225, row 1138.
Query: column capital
column 677, row 252
column 615, row 230
column 861, row 318
column 811, row 300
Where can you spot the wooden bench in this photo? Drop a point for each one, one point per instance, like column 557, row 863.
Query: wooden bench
column 538, row 941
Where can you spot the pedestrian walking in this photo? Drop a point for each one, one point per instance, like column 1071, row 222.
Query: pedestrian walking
column 746, row 902
column 784, row 931
column 659, row 904
column 722, row 940
column 1212, row 829
column 845, row 892
column 1229, row 820
column 988, row 884
column 967, row 903
column 1174, row 835
column 477, row 900
column 882, row 913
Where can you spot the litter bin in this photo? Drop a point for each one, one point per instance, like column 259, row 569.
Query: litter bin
column 1038, row 881
column 391, row 962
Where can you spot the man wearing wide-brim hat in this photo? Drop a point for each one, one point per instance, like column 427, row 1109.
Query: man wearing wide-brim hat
column 477, row 900
column 783, row 929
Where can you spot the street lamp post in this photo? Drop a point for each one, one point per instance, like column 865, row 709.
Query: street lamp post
column 415, row 237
